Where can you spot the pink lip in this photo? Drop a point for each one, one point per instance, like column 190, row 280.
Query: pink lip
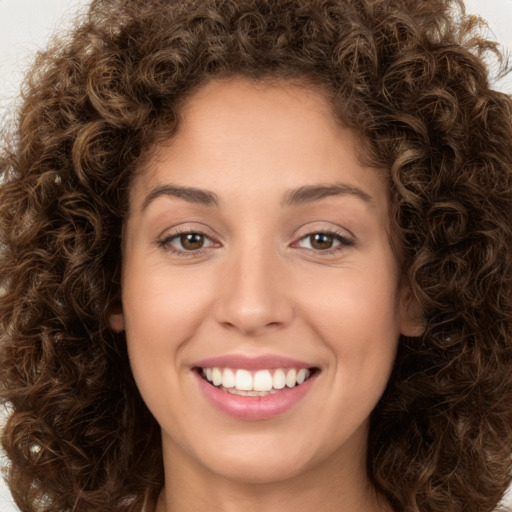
column 252, row 407
column 268, row 362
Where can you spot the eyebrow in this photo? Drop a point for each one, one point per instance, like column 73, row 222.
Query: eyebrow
column 189, row 194
column 310, row 193
column 302, row 195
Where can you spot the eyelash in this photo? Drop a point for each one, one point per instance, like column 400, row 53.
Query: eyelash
column 165, row 243
column 344, row 242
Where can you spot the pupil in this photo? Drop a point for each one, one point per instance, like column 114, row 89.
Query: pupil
column 192, row 241
column 321, row 241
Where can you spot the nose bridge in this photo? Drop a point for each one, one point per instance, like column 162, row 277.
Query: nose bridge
column 253, row 292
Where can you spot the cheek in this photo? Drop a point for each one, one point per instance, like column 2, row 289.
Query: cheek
column 162, row 313
column 164, row 303
column 354, row 310
column 360, row 325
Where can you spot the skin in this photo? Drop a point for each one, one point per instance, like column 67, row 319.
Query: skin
column 259, row 285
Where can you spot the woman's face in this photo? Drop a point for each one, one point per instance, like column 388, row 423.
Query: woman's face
column 257, row 253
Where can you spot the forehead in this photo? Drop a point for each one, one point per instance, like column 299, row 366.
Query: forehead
column 239, row 96
column 240, row 137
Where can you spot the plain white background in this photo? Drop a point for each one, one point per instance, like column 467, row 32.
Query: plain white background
column 27, row 25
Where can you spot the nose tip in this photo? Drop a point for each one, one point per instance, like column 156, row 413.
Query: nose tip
column 251, row 319
column 254, row 299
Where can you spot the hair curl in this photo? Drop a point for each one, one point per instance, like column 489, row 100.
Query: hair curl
column 408, row 76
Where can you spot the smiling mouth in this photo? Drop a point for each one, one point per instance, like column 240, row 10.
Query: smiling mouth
column 243, row 382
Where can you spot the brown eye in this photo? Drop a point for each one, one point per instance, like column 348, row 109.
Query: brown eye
column 325, row 242
column 191, row 241
column 321, row 241
column 186, row 243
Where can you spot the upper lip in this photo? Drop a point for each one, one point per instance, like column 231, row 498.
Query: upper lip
column 264, row 362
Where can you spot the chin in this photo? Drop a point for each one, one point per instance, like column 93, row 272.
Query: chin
column 262, row 458
column 265, row 470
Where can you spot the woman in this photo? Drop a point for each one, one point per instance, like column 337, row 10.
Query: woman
column 257, row 256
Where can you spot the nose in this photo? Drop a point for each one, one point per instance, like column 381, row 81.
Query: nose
column 254, row 297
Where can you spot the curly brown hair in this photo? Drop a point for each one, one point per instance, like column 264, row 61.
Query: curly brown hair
column 406, row 75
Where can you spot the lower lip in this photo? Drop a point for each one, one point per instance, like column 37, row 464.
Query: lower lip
column 254, row 407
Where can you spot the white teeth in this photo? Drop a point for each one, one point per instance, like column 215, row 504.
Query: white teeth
column 261, row 383
column 301, row 376
column 279, row 379
column 216, row 376
column 235, row 391
column 228, row 378
column 243, row 380
column 291, row 378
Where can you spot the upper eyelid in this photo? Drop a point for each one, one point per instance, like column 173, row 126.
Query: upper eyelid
column 334, row 230
column 180, row 230
column 199, row 227
column 345, row 241
column 173, row 236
